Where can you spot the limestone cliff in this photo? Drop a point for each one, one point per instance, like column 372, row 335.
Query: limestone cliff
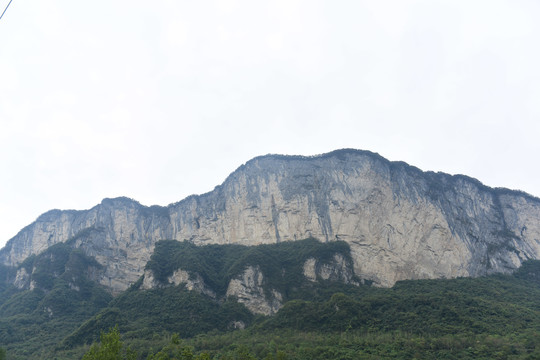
column 400, row 222
column 248, row 289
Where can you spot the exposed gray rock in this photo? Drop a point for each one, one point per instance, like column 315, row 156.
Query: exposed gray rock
column 310, row 269
column 400, row 222
column 336, row 270
column 192, row 282
column 119, row 233
column 248, row 289
column 22, row 279
column 149, row 281
column 237, row 325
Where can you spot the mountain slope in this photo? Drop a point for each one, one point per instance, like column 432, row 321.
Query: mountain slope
column 400, row 223
column 65, row 309
column 215, row 293
column 54, row 296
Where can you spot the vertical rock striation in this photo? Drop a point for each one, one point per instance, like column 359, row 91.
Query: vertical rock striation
column 400, row 222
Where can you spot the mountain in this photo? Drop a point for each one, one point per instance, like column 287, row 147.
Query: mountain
column 286, row 245
column 400, row 222
column 212, row 297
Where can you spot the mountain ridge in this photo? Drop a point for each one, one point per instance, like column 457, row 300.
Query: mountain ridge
column 401, row 222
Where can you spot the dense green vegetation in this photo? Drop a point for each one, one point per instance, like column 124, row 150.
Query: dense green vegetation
column 110, row 348
column 33, row 321
column 175, row 309
column 141, row 314
column 281, row 264
column 493, row 317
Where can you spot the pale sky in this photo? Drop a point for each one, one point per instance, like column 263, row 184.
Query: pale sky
column 162, row 99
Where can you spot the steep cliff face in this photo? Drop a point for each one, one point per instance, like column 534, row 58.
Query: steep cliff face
column 400, row 222
column 120, row 233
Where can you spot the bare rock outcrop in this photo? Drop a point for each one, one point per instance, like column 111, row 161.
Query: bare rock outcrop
column 22, row 279
column 248, row 289
column 337, row 270
column 193, row 282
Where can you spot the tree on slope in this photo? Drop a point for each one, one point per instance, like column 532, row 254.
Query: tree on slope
column 110, row 348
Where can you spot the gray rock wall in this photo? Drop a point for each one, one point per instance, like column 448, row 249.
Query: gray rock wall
column 400, row 222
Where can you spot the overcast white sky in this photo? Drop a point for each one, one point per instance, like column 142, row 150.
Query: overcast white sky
column 157, row 100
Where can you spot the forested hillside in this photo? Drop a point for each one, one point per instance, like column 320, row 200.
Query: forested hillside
column 488, row 317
